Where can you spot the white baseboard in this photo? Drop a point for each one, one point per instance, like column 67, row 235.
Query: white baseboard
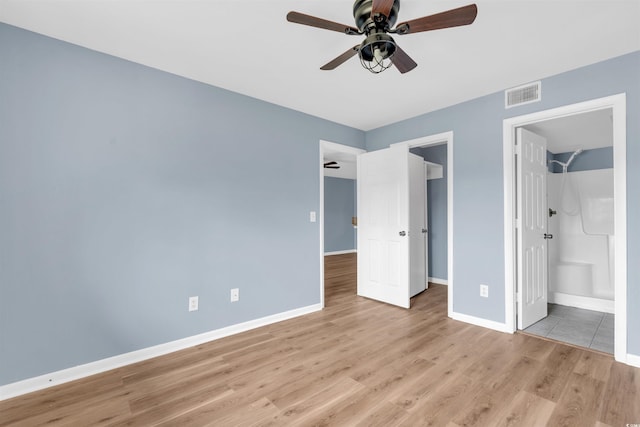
column 578, row 301
column 77, row 372
column 348, row 251
column 490, row 324
column 438, row 281
column 633, row 360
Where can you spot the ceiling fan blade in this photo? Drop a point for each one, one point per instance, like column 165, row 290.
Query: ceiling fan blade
column 402, row 61
column 330, row 163
column 332, row 167
column 312, row 21
column 340, row 59
column 464, row 15
column 382, row 7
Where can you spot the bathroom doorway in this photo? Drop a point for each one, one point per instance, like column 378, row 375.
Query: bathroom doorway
column 579, row 236
column 576, row 276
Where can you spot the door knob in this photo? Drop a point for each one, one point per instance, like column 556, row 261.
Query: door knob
column 548, row 236
column 403, row 233
column 424, row 230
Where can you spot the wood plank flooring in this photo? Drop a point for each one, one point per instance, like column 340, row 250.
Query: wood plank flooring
column 358, row 362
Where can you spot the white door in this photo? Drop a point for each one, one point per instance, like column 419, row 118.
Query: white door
column 383, row 223
column 417, row 225
column 532, row 227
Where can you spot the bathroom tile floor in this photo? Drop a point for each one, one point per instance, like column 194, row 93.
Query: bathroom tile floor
column 586, row 328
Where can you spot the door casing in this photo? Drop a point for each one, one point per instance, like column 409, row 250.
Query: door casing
column 618, row 105
column 438, row 139
column 425, row 141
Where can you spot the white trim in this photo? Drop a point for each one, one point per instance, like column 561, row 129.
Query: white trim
column 333, row 147
column 508, row 152
column 478, row 321
column 77, row 372
column 450, row 225
column 438, row 281
column 442, row 138
column 348, row 251
column 633, row 360
column 618, row 104
column 424, row 141
column 579, row 301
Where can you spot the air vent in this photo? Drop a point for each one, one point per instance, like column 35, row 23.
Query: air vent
column 520, row 95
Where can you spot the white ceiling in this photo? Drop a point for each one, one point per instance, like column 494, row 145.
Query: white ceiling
column 587, row 131
column 247, row 46
column 347, row 169
column 346, row 159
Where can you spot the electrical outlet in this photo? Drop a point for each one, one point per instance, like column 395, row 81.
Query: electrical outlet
column 193, row 303
column 312, row 216
column 235, row 294
column 484, row 291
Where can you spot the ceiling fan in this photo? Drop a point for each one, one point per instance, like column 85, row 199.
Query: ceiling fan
column 375, row 19
column 332, row 165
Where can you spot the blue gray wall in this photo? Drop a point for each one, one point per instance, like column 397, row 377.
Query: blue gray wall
column 478, row 218
column 339, row 207
column 437, row 212
column 124, row 190
column 597, row 158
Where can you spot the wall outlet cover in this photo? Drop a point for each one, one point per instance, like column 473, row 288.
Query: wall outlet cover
column 484, row 291
column 193, row 303
column 235, row 294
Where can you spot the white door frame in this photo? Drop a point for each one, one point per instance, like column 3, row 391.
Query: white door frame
column 437, row 139
column 326, row 146
column 618, row 105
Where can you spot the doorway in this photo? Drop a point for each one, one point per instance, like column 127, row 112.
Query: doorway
column 344, row 157
column 519, row 292
column 445, row 138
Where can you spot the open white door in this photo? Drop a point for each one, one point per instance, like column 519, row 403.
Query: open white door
column 417, row 225
column 383, row 223
column 532, row 227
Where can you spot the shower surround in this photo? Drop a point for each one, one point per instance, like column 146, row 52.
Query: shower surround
column 581, row 255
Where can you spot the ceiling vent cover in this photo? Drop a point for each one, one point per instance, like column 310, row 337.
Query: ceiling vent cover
column 526, row 94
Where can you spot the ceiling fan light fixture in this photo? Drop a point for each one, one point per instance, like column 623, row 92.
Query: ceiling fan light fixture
column 375, row 19
column 376, row 51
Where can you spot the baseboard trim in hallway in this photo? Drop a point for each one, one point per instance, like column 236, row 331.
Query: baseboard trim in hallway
column 349, row 251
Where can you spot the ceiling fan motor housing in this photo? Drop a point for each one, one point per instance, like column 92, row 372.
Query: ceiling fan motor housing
column 366, row 23
column 377, row 41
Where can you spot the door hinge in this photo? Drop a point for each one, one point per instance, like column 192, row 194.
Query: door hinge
column 517, row 150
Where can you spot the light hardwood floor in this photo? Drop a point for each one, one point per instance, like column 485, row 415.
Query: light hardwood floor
column 358, row 362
